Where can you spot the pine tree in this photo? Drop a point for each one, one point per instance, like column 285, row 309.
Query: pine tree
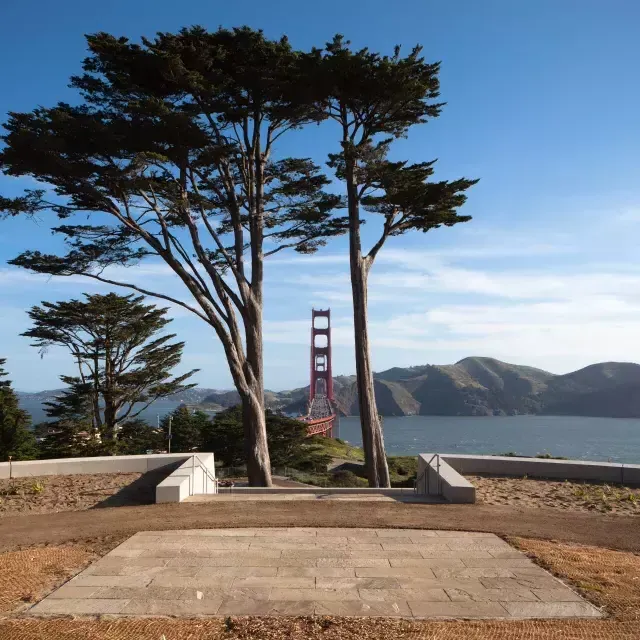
column 124, row 363
column 186, row 429
column 16, row 440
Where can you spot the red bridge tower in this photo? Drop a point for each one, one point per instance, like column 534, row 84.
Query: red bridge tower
column 321, row 379
column 321, row 416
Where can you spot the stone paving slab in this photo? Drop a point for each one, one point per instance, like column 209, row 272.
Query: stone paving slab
column 305, row 571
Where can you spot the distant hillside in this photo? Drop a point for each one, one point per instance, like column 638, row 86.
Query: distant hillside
column 190, row 396
column 485, row 387
column 471, row 387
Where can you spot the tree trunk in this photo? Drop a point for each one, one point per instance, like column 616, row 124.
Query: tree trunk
column 255, row 434
column 372, row 439
column 253, row 409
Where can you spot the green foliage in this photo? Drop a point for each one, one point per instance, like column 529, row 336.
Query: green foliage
column 136, row 437
column 70, row 434
column 403, row 470
column 376, row 99
column 16, row 440
column 337, row 448
column 342, row 478
column 38, row 487
column 122, row 361
column 286, row 437
column 186, row 429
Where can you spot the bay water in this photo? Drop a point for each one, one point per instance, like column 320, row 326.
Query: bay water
column 614, row 439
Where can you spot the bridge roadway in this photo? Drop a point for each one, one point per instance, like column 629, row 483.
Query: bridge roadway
column 321, row 417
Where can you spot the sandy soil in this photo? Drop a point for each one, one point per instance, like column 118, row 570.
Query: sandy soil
column 51, row 494
column 611, row 531
column 557, row 494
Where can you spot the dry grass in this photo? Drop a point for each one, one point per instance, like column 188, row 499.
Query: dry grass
column 26, row 576
column 312, row 629
column 610, row 579
column 557, row 494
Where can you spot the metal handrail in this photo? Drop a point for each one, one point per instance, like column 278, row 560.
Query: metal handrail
column 207, row 473
column 425, row 476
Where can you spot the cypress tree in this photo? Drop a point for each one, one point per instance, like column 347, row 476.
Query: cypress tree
column 169, row 153
column 124, row 363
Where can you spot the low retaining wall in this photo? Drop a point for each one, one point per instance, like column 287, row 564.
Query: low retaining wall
column 196, row 475
column 438, row 478
column 102, row 464
column 543, row 468
column 193, row 473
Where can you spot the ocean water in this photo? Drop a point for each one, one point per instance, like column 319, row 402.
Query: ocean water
column 614, row 439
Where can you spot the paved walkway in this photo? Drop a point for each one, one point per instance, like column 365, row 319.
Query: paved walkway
column 305, row 571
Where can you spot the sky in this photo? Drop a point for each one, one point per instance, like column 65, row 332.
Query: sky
column 542, row 105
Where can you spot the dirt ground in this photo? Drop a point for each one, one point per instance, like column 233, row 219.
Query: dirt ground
column 605, row 530
column 557, row 494
column 52, row 494
column 605, row 577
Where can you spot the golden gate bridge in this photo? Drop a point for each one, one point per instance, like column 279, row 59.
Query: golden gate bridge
column 321, row 417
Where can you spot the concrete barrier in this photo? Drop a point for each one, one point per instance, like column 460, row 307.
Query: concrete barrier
column 101, row 464
column 195, row 476
column 544, row 468
column 193, row 473
column 437, row 478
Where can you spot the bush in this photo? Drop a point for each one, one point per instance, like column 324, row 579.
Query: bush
column 344, row 478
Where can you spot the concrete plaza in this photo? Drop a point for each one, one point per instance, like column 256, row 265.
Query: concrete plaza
column 305, row 571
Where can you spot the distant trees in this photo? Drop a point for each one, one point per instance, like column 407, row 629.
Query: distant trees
column 137, row 438
column 169, row 154
column 287, row 439
column 16, row 440
column 375, row 99
column 124, row 364
column 186, row 430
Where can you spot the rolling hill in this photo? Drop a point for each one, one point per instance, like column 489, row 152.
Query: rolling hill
column 471, row 387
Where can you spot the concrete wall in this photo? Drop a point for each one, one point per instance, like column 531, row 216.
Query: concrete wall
column 541, row 468
column 104, row 464
column 196, row 475
column 437, row 478
column 188, row 478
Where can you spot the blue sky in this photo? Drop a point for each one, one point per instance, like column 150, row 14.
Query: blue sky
column 543, row 100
